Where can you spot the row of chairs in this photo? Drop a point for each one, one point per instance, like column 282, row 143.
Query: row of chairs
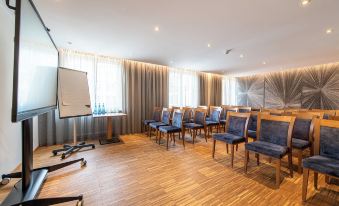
column 276, row 134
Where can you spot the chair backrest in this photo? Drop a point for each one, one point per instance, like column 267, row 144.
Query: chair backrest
column 215, row 114
column 200, row 116
column 244, row 109
column 328, row 114
column 275, row 129
column 157, row 112
column 188, row 114
column 326, row 138
column 304, row 125
column 256, row 109
column 166, row 116
column 225, row 109
column 252, row 122
column 237, row 123
column 177, row 118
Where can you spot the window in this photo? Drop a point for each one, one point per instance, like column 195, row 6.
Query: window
column 228, row 91
column 104, row 77
column 183, row 88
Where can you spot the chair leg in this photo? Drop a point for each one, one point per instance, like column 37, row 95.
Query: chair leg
column 305, row 183
column 258, row 160
column 246, row 160
column 315, row 180
column 183, row 137
column 194, row 133
column 159, row 140
column 290, row 164
column 300, row 157
column 167, row 141
column 179, row 135
column 232, row 155
column 270, row 159
column 174, row 138
column 226, row 148
column 205, row 134
column 277, row 173
column 213, row 150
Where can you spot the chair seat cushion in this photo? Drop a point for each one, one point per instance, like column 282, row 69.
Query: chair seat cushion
column 210, row 123
column 266, row 148
column 156, row 125
column 322, row 164
column 193, row 126
column 228, row 138
column 300, row 144
column 169, row 129
column 148, row 121
column 223, row 121
column 252, row 134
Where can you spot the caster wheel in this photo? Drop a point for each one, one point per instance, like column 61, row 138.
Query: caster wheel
column 5, row 181
column 55, row 153
column 80, row 203
column 93, row 147
column 63, row 156
column 83, row 163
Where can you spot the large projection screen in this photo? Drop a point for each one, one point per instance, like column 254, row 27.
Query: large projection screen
column 35, row 65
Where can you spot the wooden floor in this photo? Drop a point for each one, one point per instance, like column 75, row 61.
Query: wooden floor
column 140, row 172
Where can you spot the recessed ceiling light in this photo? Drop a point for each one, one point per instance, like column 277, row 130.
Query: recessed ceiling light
column 209, row 45
column 305, row 2
column 241, row 56
column 156, row 28
column 69, row 42
column 264, row 63
column 329, row 31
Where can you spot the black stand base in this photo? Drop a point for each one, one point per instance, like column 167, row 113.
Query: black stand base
column 20, row 197
column 69, row 149
column 109, row 141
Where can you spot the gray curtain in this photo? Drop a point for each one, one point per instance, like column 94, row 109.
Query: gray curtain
column 216, row 90
column 203, row 89
column 210, row 87
column 144, row 87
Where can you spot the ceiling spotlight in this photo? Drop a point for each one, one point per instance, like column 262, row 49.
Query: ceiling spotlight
column 241, row 56
column 329, row 31
column 305, row 2
column 209, row 45
column 264, row 63
column 156, row 28
column 228, row 51
column 69, row 42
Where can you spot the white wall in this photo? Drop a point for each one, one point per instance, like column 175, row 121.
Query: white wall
column 10, row 133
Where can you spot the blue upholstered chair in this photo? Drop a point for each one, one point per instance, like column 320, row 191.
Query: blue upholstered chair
column 175, row 127
column 156, row 117
column 326, row 153
column 165, row 120
column 199, row 122
column 274, row 140
column 252, row 126
column 302, row 136
column 188, row 114
column 223, row 114
column 214, row 120
column 236, row 132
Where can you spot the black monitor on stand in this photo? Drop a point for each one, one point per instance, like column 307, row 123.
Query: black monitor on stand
column 36, row 62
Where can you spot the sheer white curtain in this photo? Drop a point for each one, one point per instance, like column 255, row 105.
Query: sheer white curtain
column 183, row 88
column 104, row 77
column 228, row 91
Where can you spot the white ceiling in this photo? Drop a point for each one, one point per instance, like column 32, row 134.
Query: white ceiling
column 280, row 32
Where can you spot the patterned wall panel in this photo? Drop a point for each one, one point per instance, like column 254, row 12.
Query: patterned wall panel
column 321, row 87
column 283, row 89
column 250, row 91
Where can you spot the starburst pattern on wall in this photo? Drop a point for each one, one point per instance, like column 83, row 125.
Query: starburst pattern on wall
column 250, row 91
column 283, row 89
column 321, row 87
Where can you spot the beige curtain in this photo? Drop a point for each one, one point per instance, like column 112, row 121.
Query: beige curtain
column 210, row 87
column 145, row 86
